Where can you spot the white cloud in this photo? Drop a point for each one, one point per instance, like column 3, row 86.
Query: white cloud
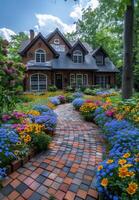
column 76, row 13
column 6, row 33
column 47, row 23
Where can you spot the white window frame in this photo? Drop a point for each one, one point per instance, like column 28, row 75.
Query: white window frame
column 99, row 60
column 43, row 53
column 86, row 79
column 56, row 41
column 77, row 54
column 38, row 82
column 74, row 83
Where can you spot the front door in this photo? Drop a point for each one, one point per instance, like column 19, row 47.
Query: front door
column 58, row 81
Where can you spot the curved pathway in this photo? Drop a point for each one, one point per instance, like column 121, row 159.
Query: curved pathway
column 67, row 170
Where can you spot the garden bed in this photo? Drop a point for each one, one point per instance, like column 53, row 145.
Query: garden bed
column 118, row 175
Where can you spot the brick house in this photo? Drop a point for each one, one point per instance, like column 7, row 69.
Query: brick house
column 53, row 60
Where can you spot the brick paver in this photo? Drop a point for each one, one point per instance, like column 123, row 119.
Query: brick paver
column 67, row 170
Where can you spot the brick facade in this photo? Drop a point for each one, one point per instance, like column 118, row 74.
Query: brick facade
column 51, row 73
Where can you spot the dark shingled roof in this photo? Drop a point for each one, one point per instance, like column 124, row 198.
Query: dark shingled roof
column 64, row 61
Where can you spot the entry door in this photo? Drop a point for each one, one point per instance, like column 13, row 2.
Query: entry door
column 58, row 81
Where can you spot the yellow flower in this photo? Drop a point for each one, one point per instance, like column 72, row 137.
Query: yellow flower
column 104, row 182
column 132, row 188
column 100, row 167
column 122, row 161
column 34, row 112
column 109, row 161
column 126, row 155
column 123, row 171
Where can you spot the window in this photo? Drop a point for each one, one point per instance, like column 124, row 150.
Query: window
column 77, row 56
column 56, row 41
column 40, row 56
column 103, row 81
column 85, row 79
column 38, row 82
column 99, row 60
column 72, row 80
column 79, row 80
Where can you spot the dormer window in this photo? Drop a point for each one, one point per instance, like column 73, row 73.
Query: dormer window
column 40, row 55
column 99, row 60
column 56, row 41
column 77, row 56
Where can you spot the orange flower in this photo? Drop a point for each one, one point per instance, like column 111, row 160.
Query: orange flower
column 126, row 155
column 109, row 161
column 132, row 188
column 123, row 172
column 100, row 167
column 122, row 161
column 104, row 182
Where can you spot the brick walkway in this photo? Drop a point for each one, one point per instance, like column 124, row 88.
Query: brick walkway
column 67, row 170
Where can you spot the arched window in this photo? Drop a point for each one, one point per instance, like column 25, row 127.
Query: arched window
column 40, row 55
column 77, row 56
column 38, row 82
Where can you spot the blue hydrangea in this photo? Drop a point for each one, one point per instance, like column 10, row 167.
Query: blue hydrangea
column 41, row 108
column 77, row 103
column 54, row 100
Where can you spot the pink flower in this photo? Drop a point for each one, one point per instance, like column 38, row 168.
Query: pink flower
column 6, row 118
column 109, row 113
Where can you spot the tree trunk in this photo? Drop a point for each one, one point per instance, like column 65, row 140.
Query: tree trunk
column 127, row 81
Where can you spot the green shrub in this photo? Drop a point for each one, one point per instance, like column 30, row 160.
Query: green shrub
column 89, row 91
column 69, row 98
column 69, row 89
column 41, row 141
column 52, row 88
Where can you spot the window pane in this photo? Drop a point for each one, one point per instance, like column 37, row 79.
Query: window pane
column 85, row 79
column 72, row 80
column 42, row 57
column 99, row 60
column 79, row 80
column 38, row 57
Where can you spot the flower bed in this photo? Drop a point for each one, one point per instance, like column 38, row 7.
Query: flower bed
column 22, row 133
column 118, row 175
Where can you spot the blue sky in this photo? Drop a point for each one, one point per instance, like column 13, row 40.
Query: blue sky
column 40, row 15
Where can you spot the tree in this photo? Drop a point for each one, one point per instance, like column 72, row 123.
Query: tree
column 14, row 46
column 127, row 82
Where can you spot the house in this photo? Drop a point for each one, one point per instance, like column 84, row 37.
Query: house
column 53, row 60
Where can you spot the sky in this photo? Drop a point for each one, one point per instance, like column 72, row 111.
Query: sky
column 41, row 15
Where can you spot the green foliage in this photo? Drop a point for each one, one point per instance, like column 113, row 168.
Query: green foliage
column 52, row 88
column 103, row 26
column 41, row 141
column 11, row 76
column 14, row 46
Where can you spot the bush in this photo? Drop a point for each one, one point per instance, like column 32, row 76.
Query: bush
column 41, row 108
column 77, row 103
column 62, row 99
column 88, row 91
column 41, row 141
column 69, row 98
column 54, row 100
column 69, row 89
column 52, row 88
column 78, row 95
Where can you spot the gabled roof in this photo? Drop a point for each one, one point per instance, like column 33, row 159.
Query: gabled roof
column 49, row 37
column 99, row 49
column 81, row 45
column 29, row 45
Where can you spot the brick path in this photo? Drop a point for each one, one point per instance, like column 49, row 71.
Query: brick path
column 67, row 170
